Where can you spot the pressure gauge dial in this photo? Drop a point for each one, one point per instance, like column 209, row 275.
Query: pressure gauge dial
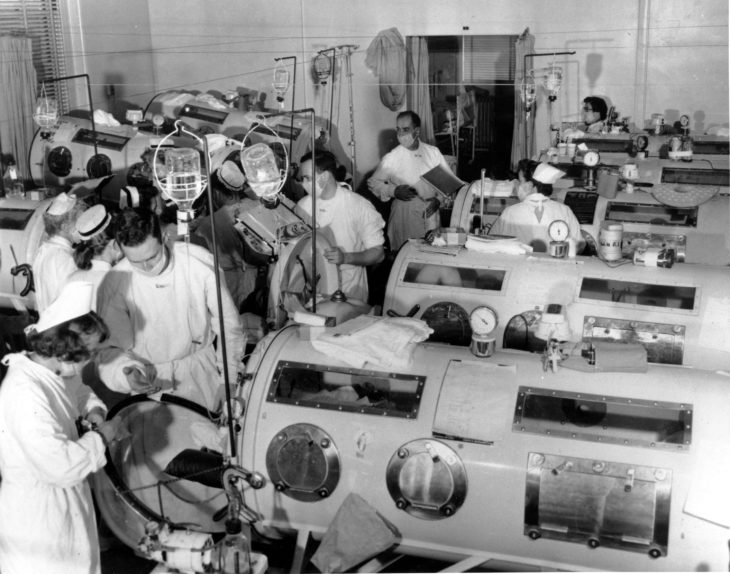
column 684, row 121
column 558, row 230
column 591, row 158
column 642, row 142
column 483, row 320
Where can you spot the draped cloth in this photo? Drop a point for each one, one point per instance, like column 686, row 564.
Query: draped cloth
column 522, row 144
column 386, row 57
column 419, row 98
column 17, row 97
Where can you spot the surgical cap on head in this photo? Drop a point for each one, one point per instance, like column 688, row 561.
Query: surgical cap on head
column 61, row 204
column 547, row 174
column 75, row 300
column 231, row 176
column 92, row 222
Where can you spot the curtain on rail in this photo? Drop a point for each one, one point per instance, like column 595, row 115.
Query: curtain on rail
column 17, row 97
column 418, row 97
column 522, row 140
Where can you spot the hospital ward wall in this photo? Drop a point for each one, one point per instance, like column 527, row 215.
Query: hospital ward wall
column 110, row 40
column 648, row 56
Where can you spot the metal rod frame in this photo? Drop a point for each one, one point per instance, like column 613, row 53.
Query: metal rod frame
column 524, row 75
column 293, row 98
column 313, row 195
column 91, row 102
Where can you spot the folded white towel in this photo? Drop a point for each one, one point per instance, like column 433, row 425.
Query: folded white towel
column 384, row 341
column 493, row 188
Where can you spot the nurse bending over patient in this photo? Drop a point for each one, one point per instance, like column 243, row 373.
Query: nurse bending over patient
column 47, row 522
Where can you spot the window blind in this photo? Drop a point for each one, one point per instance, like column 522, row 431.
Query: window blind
column 43, row 21
column 488, row 59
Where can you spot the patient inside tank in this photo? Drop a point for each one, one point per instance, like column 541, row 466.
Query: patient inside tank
column 309, row 386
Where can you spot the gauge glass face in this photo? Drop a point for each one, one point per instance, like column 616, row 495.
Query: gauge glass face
column 482, row 320
column 558, row 230
column 642, row 142
column 684, row 121
column 591, row 158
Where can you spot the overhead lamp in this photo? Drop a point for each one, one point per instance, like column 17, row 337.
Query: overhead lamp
column 262, row 172
column 183, row 183
column 261, row 165
column 182, row 176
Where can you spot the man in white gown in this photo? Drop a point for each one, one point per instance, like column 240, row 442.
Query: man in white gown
column 161, row 306
column 415, row 208
column 349, row 221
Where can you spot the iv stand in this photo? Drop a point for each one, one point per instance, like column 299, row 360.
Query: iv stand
column 91, row 104
column 332, row 88
column 180, row 129
column 348, row 48
column 313, row 195
column 293, row 97
column 524, row 72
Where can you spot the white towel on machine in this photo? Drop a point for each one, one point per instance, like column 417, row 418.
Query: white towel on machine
column 383, row 341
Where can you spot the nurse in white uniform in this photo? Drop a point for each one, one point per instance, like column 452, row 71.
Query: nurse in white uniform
column 47, row 522
column 54, row 262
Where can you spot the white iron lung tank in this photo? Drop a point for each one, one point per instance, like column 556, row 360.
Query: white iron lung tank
column 21, row 233
column 676, row 205
column 679, row 315
column 496, row 459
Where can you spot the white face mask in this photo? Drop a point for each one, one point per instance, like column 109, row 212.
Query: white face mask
column 319, row 185
column 157, row 268
column 406, row 140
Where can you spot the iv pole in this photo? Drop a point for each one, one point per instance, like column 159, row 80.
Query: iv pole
column 293, row 97
column 332, row 88
column 348, row 48
column 180, row 129
column 313, row 195
column 524, row 71
column 91, row 104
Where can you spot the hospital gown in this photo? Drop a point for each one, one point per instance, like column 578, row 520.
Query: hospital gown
column 52, row 266
column 47, row 522
column 353, row 225
column 530, row 219
column 405, row 167
column 171, row 320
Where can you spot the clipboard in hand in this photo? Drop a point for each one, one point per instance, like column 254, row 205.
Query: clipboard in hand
column 443, row 181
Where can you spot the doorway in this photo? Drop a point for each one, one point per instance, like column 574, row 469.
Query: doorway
column 471, row 86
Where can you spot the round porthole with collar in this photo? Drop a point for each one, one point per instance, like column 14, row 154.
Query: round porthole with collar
column 427, row 479
column 303, row 463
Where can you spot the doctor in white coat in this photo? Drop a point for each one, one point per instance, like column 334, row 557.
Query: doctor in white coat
column 161, row 307
column 47, row 522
